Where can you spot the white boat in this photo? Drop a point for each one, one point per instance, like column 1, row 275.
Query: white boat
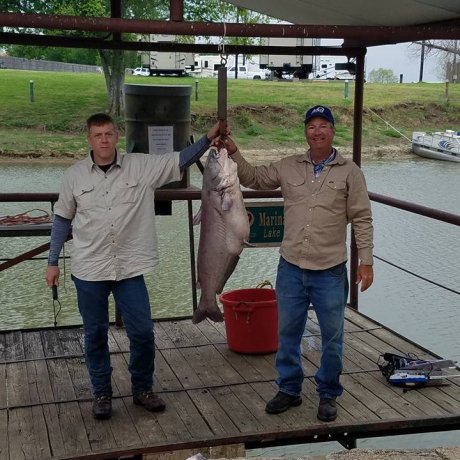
column 438, row 145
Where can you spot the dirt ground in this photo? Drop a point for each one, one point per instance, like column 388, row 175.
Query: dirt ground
column 391, row 152
column 440, row 453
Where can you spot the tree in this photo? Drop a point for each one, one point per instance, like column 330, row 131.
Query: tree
column 382, row 76
column 51, row 53
column 113, row 62
column 218, row 11
column 448, row 54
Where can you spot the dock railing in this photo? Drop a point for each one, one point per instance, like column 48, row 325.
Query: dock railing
column 190, row 194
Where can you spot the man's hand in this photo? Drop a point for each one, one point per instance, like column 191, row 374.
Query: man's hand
column 52, row 276
column 230, row 145
column 365, row 276
column 216, row 131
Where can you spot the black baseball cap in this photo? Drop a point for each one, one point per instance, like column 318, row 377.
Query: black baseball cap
column 319, row 111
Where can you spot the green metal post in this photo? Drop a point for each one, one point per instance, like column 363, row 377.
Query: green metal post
column 31, row 91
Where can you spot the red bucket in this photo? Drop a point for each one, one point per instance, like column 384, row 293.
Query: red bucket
column 251, row 320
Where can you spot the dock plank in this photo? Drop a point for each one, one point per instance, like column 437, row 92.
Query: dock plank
column 118, row 340
column 442, row 398
column 100, row 435
column 162, row 340
column 393, row 396
column 121, row 378
column 188, row 414
column 3, row 386
column 371, row 400
column 33, row 346
column 4, row 449
column 263, row 364
column 51, row 343
column 71, row 341
column 241, row 364
column 14, row 349
column 2, row 348
column 344, row 415
column 182, row 369
column 214, row 395
column 164, row 376
column 175, row 332
column 79, row 377
column 60, row 380
column 171, row 422
column 145, row 423
column 210, row 366
column 256, row 406
column 56, row 439
column 38, row 382
column 17, row 386
column 213, row 413
column 193, row 334
column 245, row 420
column 74, row 435
column 212, row 332
column 27, row 434
column 125, row 434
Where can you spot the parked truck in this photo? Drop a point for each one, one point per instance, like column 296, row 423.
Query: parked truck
column 243, row 72
column 208, row 65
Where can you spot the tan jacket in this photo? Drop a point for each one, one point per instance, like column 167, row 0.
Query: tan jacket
column 316, row 210
column 113, row 228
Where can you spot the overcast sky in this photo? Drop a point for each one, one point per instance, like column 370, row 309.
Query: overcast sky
column 401, row 60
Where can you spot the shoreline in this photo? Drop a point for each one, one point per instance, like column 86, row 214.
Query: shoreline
column 255, row 156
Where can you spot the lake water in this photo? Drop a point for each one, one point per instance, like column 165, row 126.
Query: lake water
column 423, row 312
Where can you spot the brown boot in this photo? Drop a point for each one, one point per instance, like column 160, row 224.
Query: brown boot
column 327, row 409
column 149, row 400
column 102, row 407
column 282, row 402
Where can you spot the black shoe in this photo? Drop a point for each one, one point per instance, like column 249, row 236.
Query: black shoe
column 327, row 410
column 102, row 407
column 282, row 402
column 149, row 400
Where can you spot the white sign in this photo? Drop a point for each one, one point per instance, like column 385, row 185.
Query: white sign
column 160, row 139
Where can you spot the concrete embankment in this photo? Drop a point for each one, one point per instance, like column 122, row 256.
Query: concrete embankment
column 440, row 453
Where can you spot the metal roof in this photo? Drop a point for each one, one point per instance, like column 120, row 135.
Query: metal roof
column 360, row 23
column 357, row 12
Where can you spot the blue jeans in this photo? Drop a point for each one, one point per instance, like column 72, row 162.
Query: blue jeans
column 327, row 290
column 132, row 300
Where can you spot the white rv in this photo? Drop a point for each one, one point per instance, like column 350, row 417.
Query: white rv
column 169, row 62
column 287, row 65
column 333, row 68
column 207, row 65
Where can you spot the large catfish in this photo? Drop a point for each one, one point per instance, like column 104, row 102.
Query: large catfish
column 224, row 231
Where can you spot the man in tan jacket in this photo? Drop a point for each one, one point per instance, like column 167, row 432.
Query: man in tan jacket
column 323, row 193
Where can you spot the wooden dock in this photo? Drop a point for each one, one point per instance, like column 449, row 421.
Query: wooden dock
column 214, row 397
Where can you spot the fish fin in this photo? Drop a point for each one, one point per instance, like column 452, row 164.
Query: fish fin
column 202, row 312
column 247, row 244
column 227, row 202
column 231, row 265
column 197, row 217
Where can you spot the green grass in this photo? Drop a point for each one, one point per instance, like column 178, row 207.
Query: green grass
column 261, row 113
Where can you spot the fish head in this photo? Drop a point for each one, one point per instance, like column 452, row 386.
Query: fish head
column 220, row 171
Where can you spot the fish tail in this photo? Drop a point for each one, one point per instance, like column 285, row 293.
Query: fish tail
column 213, row 314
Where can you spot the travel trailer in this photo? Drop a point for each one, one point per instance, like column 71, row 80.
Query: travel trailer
column 287, row 65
